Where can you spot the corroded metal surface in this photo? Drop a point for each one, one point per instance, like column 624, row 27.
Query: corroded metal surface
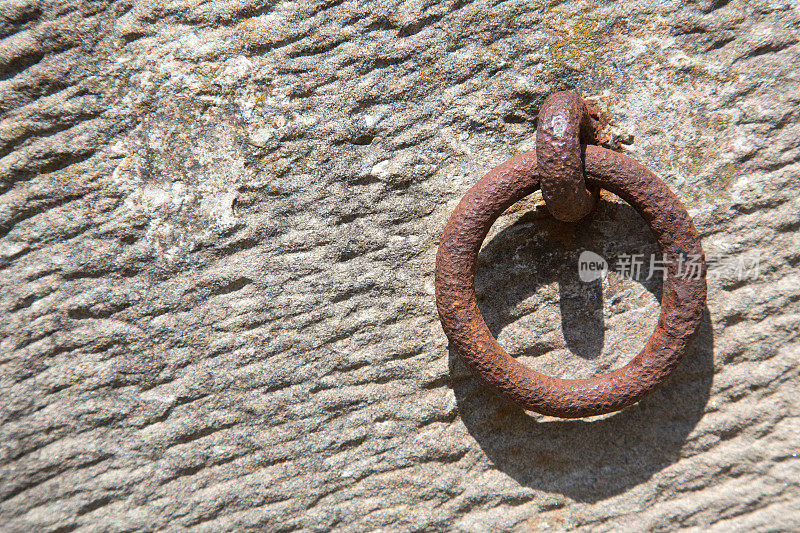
column 682, row 305
column 563, row 130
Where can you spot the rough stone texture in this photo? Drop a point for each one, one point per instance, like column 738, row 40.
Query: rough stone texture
column 218, row 229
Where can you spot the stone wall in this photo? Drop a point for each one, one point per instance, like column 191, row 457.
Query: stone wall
column 218, row 229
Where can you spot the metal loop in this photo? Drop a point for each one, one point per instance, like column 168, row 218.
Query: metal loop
column 563, row 131
column 682, row 304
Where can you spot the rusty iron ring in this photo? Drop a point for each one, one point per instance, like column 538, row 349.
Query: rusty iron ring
column 682, row 303
column 564, row 128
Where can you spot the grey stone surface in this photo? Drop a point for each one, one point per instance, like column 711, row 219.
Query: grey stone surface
column 218, row 228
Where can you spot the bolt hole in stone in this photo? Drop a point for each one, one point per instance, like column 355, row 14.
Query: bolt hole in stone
column 531, row 296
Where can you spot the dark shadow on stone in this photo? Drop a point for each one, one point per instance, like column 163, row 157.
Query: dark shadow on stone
column 588, row 459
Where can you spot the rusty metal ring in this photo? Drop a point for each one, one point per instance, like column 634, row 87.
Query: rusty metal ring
column 682, row 304
column 563, row 130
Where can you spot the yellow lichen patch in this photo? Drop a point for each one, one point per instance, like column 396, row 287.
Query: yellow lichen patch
column 727, row 75
column 469, row 14
column 249, row 24
column 578, row 45
column 72, row 174
column 261, row 100
column 430, row 74
column 206, row 73
column 275, row 163
column 726, row 174
column 700, row 157
column 705, row 197
column 254, row 32
column 720, row 121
